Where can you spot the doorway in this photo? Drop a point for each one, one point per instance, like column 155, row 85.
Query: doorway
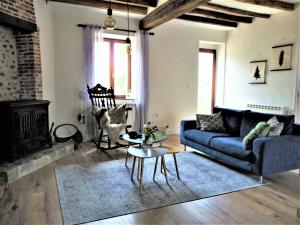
column 206, row 80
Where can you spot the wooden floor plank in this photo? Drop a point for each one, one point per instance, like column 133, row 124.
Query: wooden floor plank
column 33, row 200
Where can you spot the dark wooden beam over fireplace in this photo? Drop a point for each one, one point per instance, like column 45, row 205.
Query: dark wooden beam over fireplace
column 17, row 23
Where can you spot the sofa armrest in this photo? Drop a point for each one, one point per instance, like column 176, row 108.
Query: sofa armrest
column 277, row 154
column 187, row 125
column 296, row 130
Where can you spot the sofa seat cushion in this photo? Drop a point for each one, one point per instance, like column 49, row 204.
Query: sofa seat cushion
column 232, row 146
column 202, row 137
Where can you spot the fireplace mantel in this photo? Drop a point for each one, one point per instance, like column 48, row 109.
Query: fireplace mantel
column 17, row 23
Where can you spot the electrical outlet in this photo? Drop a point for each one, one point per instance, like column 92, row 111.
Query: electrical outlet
column 81, row 118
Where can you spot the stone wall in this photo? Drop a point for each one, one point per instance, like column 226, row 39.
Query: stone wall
column 9, row 83
column 25, row 80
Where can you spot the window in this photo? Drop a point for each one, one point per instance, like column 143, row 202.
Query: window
column 116, row 66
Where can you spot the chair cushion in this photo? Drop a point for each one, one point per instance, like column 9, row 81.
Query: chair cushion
column 251, row 119
column 202, row 137
column 118, row 114
column 232, row 146
column 232, row 119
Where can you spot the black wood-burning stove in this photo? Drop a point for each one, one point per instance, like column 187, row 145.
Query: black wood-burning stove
column 24, row 128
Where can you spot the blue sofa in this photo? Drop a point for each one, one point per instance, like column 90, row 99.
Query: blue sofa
column 268, row 155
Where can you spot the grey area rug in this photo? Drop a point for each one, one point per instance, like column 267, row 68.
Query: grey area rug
column 105, row 190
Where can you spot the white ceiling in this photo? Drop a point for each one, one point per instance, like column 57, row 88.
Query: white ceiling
column 250, row 7
column 239, row 5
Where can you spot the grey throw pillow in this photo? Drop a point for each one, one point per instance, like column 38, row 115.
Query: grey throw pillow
column 117, row 115
column 212, row 122
column 276, row 127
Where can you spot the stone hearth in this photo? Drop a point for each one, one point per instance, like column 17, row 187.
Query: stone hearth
column 10, row 172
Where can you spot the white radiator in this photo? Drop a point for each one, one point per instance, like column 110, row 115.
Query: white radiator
column 280, row 110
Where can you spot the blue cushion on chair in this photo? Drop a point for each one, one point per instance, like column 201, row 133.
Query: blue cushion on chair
column 232, row 146
column 202, row 137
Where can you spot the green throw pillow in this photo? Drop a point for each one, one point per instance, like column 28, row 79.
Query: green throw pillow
column 261, row 130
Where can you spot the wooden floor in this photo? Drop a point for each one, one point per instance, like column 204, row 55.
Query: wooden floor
column 33, row 200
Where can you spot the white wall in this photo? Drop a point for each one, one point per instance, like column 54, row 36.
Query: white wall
column 173, row 64
column 45, row 26
column 255, row 42
column 174, row 71
column 69, row 61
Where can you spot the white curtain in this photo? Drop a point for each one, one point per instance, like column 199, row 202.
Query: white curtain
column 141, row 78
column 93, row 38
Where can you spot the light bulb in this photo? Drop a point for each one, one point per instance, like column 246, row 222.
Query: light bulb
column 110, row 23
column 128, row 42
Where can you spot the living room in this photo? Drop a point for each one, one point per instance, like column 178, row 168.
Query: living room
column 157, row 47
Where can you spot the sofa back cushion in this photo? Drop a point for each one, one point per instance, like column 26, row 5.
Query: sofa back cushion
column 232, row 119
column 296, row 130
column 251, row 119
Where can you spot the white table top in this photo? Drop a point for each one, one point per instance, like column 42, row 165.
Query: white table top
column 151, row 152
column 140, row 140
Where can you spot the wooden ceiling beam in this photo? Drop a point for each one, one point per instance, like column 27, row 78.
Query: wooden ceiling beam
column 222, row 16
column 104, row 5
column 235, row 11
column 168, row 11
column 207, row 20
column 145, row 3
column 271, row 4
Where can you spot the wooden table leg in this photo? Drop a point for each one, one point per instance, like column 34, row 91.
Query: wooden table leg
column 176, row 166
column 139, row 169
column 133, row 165
column 164, row 167
column 141, row 176
column 155, row 168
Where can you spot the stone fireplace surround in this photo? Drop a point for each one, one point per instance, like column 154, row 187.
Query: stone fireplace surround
column 20, row 58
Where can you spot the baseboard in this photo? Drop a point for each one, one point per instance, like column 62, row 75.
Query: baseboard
column 172, row 131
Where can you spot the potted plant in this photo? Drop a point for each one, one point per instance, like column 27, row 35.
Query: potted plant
column 152, row 133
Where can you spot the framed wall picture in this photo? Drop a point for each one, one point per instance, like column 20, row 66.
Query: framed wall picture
column 258, row 72
column 282, row 57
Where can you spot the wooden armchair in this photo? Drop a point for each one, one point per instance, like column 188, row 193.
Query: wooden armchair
column 105, row 98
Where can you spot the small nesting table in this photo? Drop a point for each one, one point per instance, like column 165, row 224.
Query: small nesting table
column 139, row 141
column 141, row 154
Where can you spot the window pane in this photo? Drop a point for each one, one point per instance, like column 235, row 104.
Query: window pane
column 120, row 69
column 102, row 64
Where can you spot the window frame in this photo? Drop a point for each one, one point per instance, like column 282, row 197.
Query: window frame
column 112, row 42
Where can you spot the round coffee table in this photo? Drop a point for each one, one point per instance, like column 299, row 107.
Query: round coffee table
column 151, row 152
column 144, row 153
column 139, row 141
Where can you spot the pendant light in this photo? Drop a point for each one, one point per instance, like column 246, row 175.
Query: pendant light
column 110, row 23
column 128, row 41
